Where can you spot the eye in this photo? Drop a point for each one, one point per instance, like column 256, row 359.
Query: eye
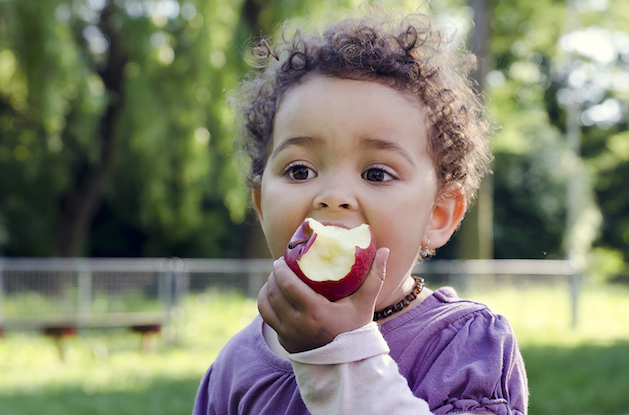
column 377, row 174
column 299, row 172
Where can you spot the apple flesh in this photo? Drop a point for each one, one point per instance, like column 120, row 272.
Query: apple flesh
column 333, row 261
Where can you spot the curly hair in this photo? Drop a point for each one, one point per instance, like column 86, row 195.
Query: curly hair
column 406, row 54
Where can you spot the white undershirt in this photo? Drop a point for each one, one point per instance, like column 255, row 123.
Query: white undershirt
column 341, row 377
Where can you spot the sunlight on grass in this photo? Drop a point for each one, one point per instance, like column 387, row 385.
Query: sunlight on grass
column 543, row 316
column 571, row 370
column 97, row 363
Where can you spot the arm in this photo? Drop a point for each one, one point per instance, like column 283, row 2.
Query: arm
column 307, row 323
column 334, row 375
column 355, row 375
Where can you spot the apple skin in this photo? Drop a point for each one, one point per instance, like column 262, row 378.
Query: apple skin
column 333, row 290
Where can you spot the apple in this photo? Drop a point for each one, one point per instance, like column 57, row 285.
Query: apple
column 332, row 260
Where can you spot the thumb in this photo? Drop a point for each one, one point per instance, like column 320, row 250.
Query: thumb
column 370, row 288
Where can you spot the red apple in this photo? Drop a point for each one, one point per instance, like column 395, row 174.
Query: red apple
column 333, row 261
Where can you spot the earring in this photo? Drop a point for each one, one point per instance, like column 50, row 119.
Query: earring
column 424, row 251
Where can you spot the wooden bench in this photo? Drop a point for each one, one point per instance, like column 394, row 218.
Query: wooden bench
column 60, row 327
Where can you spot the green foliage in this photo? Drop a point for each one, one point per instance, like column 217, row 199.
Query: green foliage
column 537, row 72
column 608, row 158
column 115, row 135
column 130, row 96
column 605, row 263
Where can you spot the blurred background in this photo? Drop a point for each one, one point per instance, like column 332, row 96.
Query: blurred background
column 116, row 142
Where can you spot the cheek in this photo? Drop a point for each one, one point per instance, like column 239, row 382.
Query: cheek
column 403, row 256
column 278, row 233
column 404, row 240
column 276, row 246
column 279, row 225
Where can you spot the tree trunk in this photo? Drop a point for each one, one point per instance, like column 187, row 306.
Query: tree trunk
column 476, row 236
column 81, row 204
column 251, row 13
column 255, row 241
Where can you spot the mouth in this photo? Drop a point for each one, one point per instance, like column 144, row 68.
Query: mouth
column 337, row 224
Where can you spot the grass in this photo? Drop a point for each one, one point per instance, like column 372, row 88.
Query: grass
column 106, row 373
column 543, row 317
column 571, row 371
column 587, row 379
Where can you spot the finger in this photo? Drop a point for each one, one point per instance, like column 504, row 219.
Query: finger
column 369, row 290
column 266, row 310
column 380, row 262
column 277, row 298
column 295, row 291
column 271, row 300
column 283, row 298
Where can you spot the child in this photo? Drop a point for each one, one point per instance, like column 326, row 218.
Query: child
column 371, row 122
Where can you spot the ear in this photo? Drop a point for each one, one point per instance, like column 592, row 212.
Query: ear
column 446, row 215
column 256, row 197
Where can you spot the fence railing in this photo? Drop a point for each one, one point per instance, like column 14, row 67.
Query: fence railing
column 48, row 293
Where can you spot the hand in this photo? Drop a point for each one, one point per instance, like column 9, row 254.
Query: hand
column 304, row 319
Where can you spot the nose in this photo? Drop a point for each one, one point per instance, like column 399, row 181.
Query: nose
column 336, row 193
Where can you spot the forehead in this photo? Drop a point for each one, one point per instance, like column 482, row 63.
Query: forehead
column 363, row 107
column 349, row 88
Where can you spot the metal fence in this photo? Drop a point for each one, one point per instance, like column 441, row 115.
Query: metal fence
column 55, row 293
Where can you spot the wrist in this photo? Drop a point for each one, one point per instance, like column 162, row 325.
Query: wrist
column 355, row 345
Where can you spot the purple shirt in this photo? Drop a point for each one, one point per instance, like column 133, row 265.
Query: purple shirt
column 456, row 354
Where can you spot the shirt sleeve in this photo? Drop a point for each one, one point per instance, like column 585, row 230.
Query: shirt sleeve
column 354, row 374
column 202, row 399
column 475, row 366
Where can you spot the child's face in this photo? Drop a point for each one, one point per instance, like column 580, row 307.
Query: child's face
column 347, row 152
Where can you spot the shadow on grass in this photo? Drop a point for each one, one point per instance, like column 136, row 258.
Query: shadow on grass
column 563, row 381
column 161, row 397
column 586, row 379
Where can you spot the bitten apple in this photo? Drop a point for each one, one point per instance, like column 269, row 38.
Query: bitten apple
column 332, row 260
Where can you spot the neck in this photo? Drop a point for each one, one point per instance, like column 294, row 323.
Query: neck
column 410, row 299
column 404, row 288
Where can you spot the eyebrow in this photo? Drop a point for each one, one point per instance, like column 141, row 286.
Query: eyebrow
column 379, row 144
column 296, row 141
column 366, row 142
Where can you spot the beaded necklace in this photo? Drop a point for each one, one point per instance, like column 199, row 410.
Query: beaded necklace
column 386, row 312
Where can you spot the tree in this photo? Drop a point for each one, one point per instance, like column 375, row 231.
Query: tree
column 115, row 134
column 476, row 236
column 540, row 67
column 115, row 137
column 115, row 110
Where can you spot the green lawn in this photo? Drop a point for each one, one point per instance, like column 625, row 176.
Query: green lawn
column 577, row 371
column 571, row 371
column 107, row 372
